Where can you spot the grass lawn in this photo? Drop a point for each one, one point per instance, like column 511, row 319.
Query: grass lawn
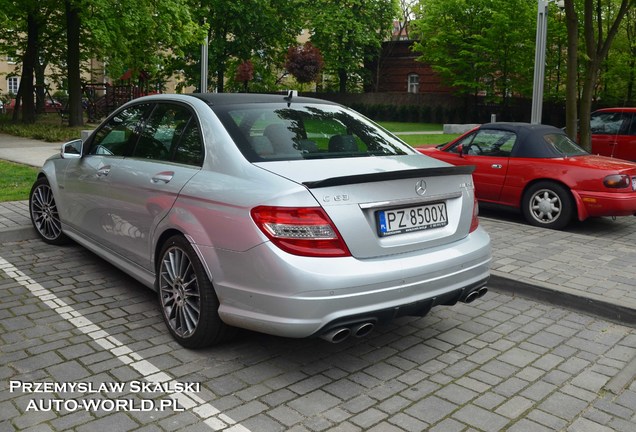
column 397, row 127
column 15, row 181
column 427, row 139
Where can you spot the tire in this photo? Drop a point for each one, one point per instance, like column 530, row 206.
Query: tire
column 44, row 214
column 548, row 204
column 187, row 299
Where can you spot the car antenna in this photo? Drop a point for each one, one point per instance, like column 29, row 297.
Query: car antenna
column 290, row 94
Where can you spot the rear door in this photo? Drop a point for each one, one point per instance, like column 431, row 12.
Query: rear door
column 626, row 138
column 614, row 134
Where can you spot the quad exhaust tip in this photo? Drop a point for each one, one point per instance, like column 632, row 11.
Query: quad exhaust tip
column 474, row 295
column 362, row 329
column 339, row 334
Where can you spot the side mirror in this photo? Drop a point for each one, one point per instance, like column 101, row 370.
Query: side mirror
column 72, row 149
column 460, row 150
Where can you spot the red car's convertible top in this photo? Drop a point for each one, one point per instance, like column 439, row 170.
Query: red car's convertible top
column 541, row 171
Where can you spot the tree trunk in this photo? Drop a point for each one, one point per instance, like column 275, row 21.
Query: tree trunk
column 596, row 50
column 630, row 82
column 342, row 80
column 220, row 78
column 40, row 87
column 571, row 83
column 73, row 23
column 28, row 67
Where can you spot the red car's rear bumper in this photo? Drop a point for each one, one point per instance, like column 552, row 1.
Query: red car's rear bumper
column 592, row 204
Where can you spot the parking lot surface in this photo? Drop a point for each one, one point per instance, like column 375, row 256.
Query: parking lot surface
column 84, row 348
column 552, row 346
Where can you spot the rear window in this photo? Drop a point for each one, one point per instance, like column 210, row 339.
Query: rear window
column 563, row 145
column 274, row 132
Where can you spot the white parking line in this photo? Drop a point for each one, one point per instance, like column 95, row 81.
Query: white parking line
column 211, row 416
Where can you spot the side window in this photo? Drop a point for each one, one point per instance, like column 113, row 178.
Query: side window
column 189, row 147
column 492, row 143
column 465, row 143
column 119, row 135
column 606, row 123
column 162, row 131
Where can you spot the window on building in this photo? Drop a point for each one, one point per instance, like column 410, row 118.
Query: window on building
column 13, row 83
column 414, row 83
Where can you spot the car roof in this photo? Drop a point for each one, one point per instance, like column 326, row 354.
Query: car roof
column 530, row 142
column 521, row 128
column 215, row 99
column 617, row 109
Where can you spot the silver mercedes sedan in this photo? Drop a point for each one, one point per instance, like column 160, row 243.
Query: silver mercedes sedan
column 280, row 214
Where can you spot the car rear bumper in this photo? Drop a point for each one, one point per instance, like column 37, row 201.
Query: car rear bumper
column 270, row 291
column 593, row 204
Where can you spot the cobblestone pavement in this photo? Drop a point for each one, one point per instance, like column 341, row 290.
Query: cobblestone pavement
column 591, row 261
column 502, row 363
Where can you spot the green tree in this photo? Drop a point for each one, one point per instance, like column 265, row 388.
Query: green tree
column 350, row 32
column 256, row 30
column 601, row 22
column 22, row 25
column 139, row 35
column 119, row 33
column 478, row 45
column 618, row 74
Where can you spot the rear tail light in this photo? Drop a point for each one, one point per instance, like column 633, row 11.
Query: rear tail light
column 617, row 181
column 475, row 221
column 304, row 231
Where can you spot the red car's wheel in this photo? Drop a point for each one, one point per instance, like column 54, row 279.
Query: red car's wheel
column 548, row 204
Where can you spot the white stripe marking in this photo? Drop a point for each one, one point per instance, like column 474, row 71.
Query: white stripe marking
column 211, row 416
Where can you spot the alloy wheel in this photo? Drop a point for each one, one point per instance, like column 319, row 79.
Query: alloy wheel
column 179, row 292
column 44, row 212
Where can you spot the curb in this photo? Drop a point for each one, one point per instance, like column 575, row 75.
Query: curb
column 562, row 296
column 17, row 234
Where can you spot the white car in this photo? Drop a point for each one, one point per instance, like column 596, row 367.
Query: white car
column 280, row 214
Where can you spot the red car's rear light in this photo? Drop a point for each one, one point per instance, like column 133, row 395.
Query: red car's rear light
column 304, row 231
column 475, row 221
column 617, row 181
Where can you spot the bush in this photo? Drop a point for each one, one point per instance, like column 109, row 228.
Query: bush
column 47, row 128
column 409, row 113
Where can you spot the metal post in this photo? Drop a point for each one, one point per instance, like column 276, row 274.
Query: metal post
column 204, row 66
column 539, row 62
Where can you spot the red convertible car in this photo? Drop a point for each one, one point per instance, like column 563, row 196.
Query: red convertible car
column 538, row 169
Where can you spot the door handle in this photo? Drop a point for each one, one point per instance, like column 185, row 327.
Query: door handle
column 164, row 177
column 103, row 171
column 496, row 166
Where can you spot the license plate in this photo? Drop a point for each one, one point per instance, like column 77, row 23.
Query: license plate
column 404, row 220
